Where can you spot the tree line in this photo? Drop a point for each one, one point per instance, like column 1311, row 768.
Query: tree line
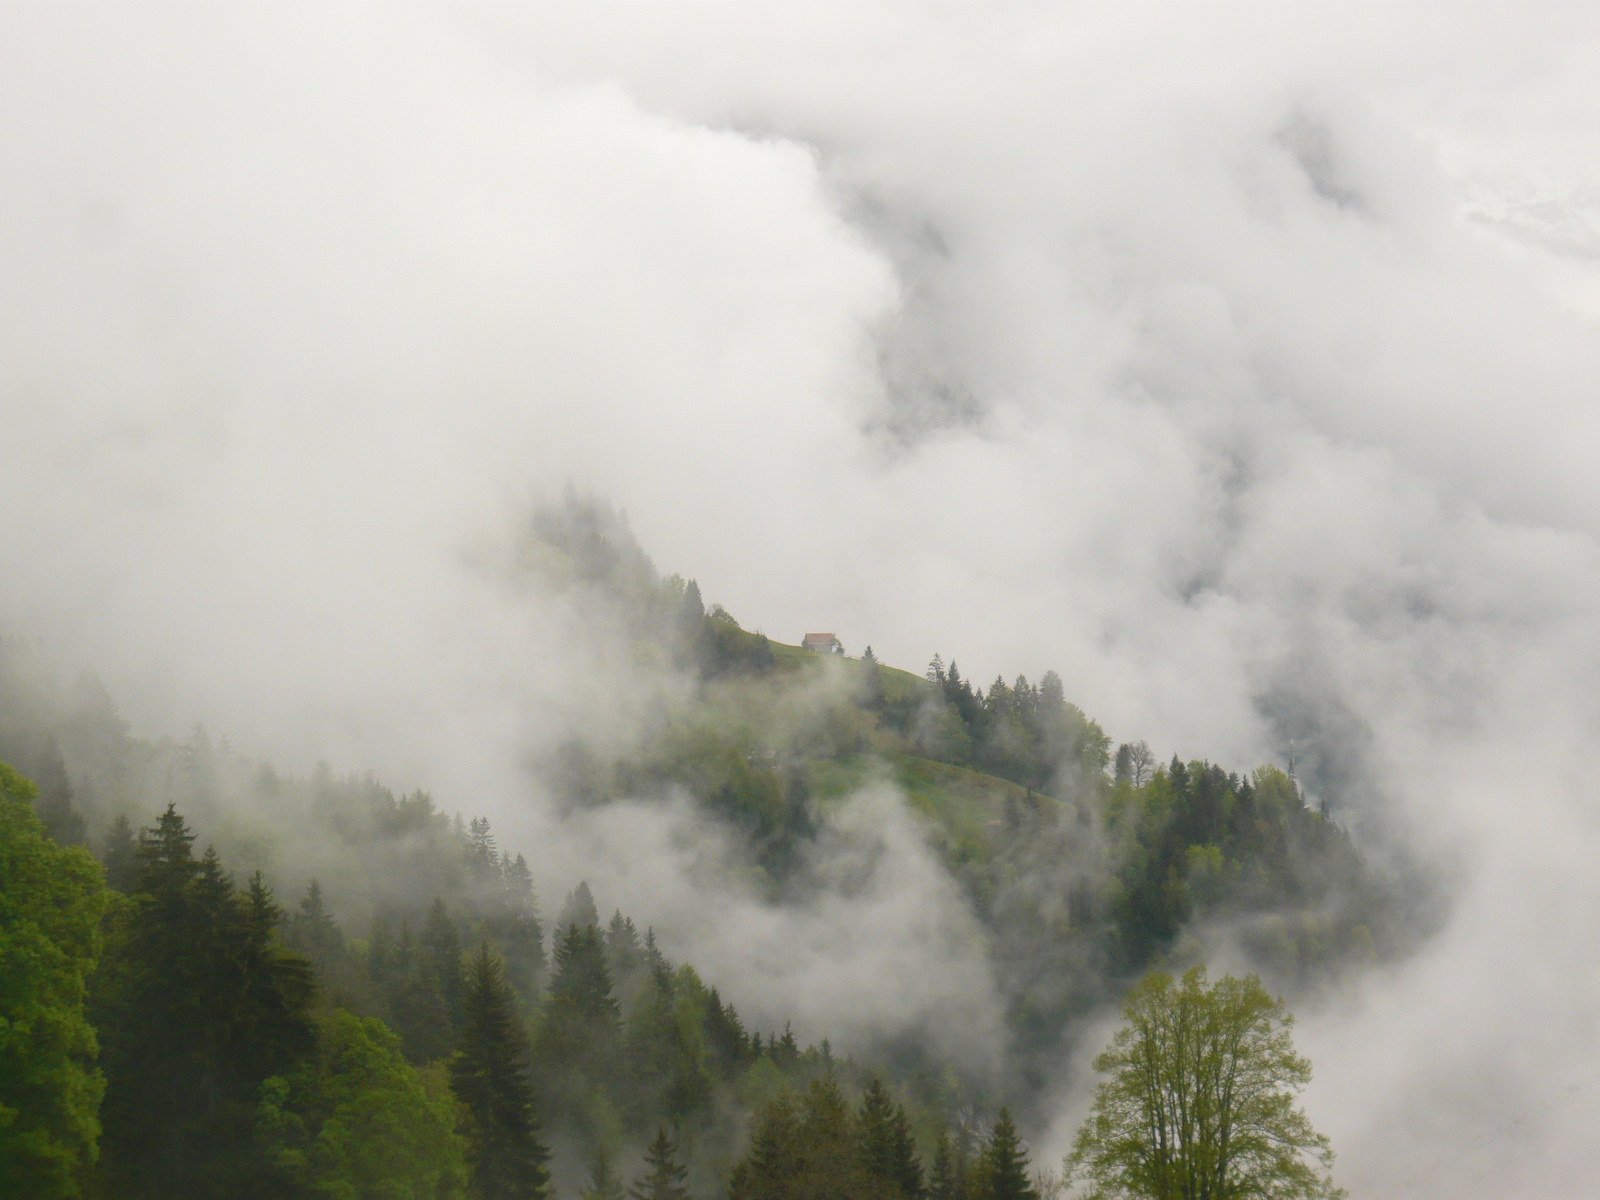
column 204, row 1042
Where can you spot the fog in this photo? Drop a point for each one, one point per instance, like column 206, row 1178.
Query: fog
column 1237, row 363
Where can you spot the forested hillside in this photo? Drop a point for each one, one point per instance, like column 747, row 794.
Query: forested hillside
column 382, row 996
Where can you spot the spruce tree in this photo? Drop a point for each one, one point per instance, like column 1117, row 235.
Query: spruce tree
column 483, row 859
column 119, row 856
column 578, row 909
column 196, row 1004
column 1005, row 1163
column 442, row 949
column 518, row 928
column 943, row 1180
column 664, row 1175
column 489, row 1076
column 886, row 1148
column 582, row 977
column 417, row 1008
column 603, row 1181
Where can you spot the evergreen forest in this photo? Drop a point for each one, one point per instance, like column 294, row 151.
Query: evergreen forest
column 218, row 980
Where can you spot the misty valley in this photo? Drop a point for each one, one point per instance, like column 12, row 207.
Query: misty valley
column 220, row 980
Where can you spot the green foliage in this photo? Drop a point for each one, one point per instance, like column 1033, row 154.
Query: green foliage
column 664, row 1174
column 1199, row 1099
column 51, row 901
column 807, row 1148
column 358, row 1122
column 603, row 1182
column 886, row 1149
column 490, row 1077
column 119, row 855
column 196, row 1004
column 1003, row 1167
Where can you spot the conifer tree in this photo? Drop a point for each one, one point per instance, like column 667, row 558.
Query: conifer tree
column 943, row 1179
column 313, row 931
column 483, row 859
column 622, row 945
column 578, row 909
column 196, row 1005
column 489, row 1076
column 519, row 928
column 884, row 1143
column 664, row 1175
column 63, row 823
column 603, row 1182
column 417, row 1007
column 1005, row 1163
column 119, row 855
column 725, row 1031
column 442, row 949
column 380, row 954
column 786, row 1051
column 582, row 978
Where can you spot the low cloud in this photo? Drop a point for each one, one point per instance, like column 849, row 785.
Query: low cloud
column 1234, row 363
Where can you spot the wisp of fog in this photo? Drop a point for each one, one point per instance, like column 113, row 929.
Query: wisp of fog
column 1236, row 362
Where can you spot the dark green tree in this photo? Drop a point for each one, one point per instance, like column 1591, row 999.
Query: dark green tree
column 664, row 1174
column 416, row 1004
column 119, row 855
column 197, row 1004
column 578, row 909
column 490, row 1077
column 483, row 858
column 1004, row 1166
column 603, row 1182
column 441, row 946
column 885, row 1145
column 945, row 1180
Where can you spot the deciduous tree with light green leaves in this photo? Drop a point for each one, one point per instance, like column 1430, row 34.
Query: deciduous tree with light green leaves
column 51, row 901
column 358, row 1122
column 1198, row 1102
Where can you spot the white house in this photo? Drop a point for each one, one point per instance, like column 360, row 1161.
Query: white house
column 822, row 643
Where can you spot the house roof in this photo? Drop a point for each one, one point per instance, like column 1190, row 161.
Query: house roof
column 819, row 639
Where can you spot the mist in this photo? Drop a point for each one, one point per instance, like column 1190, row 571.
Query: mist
column 1236, row 363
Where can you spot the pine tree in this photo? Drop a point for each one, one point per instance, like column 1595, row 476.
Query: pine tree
column 726, row 1033
column 483, row 859
column 943, row 1180
column 787, row 1051
column 1005, row 1163
column 417, row 1009
column 622, row 945
column 578, row 909
column 582, row 978
column 886, row 1148
column 518, row 929
column 119, row 855
column 489, row 1076
column 313, row 932
column 664, row 1175
column 63, row 824
column 196, row 1004
column 442, row 949
column 603, row 1181
column 380, row 954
